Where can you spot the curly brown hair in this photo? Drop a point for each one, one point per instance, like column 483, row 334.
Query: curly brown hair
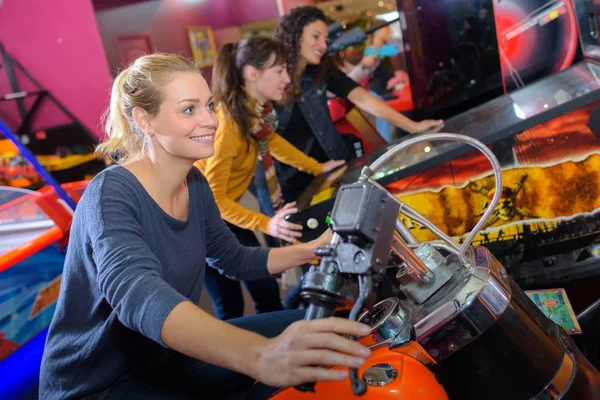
column 289, row 31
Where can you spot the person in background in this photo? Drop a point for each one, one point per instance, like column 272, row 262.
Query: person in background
column 380, row 78
column 247, row 77
column 304, row 119
column 127, row 324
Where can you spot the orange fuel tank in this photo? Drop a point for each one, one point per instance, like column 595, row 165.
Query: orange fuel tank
column 413, row 382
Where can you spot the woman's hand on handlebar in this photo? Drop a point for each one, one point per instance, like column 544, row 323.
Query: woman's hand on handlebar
column 323, row 240
column 332, row 164
column 280, row 228
column 299, row 353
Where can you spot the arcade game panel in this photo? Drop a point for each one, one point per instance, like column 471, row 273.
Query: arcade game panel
column 463, row 53
column 546, row 228
column 34, row 228
column 65, row 148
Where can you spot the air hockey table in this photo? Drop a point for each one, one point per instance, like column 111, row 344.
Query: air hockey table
column 33, row 233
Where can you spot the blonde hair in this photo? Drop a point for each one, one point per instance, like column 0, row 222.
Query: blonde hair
column 139, row 85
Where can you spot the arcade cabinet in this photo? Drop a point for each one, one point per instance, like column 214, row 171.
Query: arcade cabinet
column 34, row 229
column 546, row 229
column 65, row 147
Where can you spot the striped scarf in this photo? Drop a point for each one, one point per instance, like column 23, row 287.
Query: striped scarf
column 262, row 126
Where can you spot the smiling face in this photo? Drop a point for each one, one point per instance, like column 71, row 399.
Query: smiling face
column 271, row 82
column 313, row 42
column 186, row 123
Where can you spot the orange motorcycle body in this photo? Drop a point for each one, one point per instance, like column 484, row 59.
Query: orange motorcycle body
column 413, row 382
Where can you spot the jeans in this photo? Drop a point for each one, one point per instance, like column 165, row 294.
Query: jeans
column 226, row 294
column 182, row 377
column 293, row 299
column 261, row 191
column 385, row 129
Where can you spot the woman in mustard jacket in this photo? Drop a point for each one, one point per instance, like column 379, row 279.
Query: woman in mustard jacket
column 246, row 78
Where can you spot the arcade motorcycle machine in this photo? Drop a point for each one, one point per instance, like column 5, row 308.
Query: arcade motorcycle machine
column 462, row 329
column 546, row 228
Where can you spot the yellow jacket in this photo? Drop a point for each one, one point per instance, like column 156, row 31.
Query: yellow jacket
column 231, row 168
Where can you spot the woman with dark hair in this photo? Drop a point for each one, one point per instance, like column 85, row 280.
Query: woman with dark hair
column 304, row 120
column 246, row 78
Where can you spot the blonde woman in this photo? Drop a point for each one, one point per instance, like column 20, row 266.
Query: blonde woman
column 127, row 324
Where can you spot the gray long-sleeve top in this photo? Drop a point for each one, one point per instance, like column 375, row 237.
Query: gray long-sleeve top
column 128, row 265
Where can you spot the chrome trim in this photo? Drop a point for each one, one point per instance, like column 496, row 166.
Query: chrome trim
column 563, row 380
column 469, row 304
column 405, row 233
column 380, row 344
column 368, row 172
column 380, row 375
column 410, row 258
column 390, row 322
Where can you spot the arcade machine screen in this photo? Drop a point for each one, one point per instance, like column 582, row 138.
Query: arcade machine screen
column 536, row 38
column 463, row 53
column 452, row 55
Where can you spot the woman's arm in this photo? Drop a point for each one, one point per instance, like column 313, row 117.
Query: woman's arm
column 379, row 108
column 284, row 258
column 130, row 278
column 291, row 358
column 191, row 331
column 363, row 69
column 286, row 153
column 224, row 251
column 218, row 171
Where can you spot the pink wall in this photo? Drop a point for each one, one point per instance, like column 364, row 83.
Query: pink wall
column 165, row 20
column 57, row 41
column 244, row 11
column 230, row 34
column 289, row 4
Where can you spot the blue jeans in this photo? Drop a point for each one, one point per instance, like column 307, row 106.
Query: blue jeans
column 228, row 301
column 182, row 377
column 226, row 293
column 261, row 191
column 385, row 129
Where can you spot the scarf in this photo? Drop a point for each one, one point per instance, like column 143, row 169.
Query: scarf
column 262, row 126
